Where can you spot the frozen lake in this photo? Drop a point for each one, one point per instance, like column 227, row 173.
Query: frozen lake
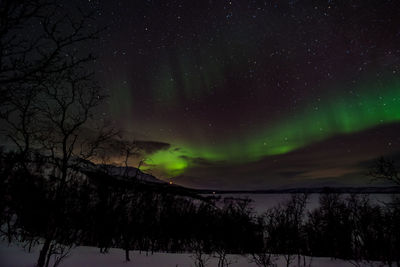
column 262, row 202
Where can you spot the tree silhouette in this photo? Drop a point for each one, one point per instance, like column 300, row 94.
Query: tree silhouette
column 49, row 96
column 284, row 228
column 385, row 169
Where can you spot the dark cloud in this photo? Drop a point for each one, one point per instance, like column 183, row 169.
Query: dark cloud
column 290, row 174
column 116, row 147
column 339, row 161
column 150, row 147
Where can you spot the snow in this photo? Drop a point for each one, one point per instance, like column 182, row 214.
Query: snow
column 132, row 172
column 15, row 256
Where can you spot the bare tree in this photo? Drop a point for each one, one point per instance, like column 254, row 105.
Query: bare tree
column 38, row 40
column 130, row 149
column 19, row 114
column 49, row 98
column 264, row 257
column 68, row 105
column 66, row 112
column 385, row 169
column 223, row 259
column 284, row 231
column 200, row 257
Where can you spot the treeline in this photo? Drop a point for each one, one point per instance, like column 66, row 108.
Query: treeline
column 97, row 209
column 349, row 227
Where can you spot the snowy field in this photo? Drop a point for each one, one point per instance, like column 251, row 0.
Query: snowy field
column 13, row 256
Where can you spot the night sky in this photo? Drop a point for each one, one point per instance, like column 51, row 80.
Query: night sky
column 254, row 94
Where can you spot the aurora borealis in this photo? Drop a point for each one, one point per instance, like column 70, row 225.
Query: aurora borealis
column 380, row 105
column 254, row 94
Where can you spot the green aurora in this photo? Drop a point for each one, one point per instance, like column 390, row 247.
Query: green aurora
column 378, row 105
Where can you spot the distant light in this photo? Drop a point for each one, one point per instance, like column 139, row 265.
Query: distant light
column 170, row 182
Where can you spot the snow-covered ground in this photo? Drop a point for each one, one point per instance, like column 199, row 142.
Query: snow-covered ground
column 14, row 256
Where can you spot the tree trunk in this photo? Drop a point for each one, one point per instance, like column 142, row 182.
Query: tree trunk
column 48, row 256
column 9, row 232
column 43, row 253
column 127, row 254
column 222, row 259
column 288, row 260
column 30, row 246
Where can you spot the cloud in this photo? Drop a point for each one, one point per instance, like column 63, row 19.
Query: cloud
column 339, row 161
column 150, row 147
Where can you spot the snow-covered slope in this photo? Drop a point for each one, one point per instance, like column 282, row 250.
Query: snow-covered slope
column 130, row 172
column 14, row 256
